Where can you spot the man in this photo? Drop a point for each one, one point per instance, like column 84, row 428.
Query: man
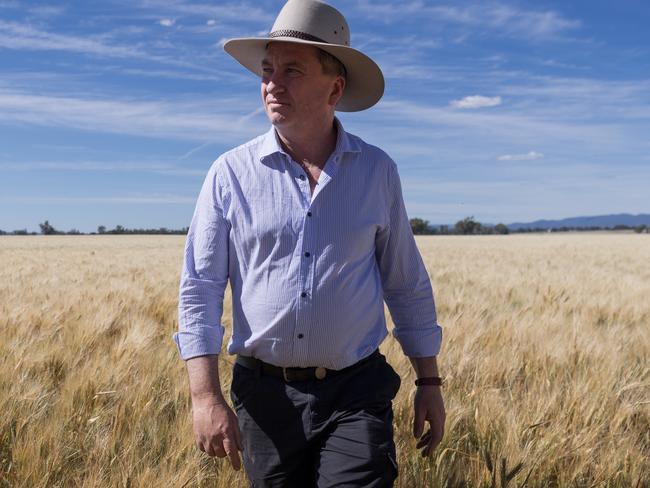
column 308, row 224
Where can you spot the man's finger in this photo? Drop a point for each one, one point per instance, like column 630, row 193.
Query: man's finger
column 208, row 449
column 218, row 450
column 424, row 440
column 418, row 421
column 240, row 444
column 232, row 453
column 433, row 442
column 436, row 438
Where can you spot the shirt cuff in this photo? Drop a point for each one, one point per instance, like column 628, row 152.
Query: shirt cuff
column 193, row 343
column 420, row 342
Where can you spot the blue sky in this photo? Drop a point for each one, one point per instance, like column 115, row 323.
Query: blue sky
column 111, row 112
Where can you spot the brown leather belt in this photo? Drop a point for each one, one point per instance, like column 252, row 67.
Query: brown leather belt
column 293, row 373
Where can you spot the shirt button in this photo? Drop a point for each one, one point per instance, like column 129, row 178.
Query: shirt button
column 302, row 177
column 300, row 336
column 303, row 294
column 307, row 254
column 308, row 214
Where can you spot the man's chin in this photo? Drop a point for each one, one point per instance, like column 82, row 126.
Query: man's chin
column 278, row 119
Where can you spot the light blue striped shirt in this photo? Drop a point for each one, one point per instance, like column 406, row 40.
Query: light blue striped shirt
column 309, row 273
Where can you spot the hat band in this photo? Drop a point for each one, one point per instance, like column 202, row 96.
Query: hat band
column 297, row 34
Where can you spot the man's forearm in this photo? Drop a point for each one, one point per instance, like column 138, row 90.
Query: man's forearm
column 203, row 373
column 425, row 367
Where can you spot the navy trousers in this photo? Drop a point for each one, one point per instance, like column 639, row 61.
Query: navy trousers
column 334, row 432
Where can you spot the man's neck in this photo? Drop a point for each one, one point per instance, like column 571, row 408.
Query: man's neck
column 313, row 146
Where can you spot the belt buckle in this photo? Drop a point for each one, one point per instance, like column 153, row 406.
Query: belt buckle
column 284, row 374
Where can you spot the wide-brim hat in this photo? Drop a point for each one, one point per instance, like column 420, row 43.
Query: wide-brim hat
column 320, row 25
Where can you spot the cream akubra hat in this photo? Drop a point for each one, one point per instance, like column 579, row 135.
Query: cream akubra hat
column 321, row 25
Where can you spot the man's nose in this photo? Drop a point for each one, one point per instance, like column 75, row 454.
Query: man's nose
column 273, row 84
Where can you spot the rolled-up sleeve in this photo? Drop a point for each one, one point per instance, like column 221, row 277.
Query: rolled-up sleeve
column 204, row 275
column 406, row 284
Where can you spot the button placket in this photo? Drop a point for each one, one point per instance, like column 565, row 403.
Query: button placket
column 306, row 272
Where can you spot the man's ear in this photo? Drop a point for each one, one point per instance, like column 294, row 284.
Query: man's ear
column 337, row 90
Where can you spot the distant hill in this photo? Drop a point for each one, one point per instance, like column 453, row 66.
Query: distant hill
column 595, row 221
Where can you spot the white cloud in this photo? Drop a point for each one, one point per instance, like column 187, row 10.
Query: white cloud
column 211, row 22
column 167, row 22
column 476, row 101
column 416, row 125
column 530, row 156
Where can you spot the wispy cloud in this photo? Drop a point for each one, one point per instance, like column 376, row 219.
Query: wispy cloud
column 476, row 101
column 503, row 127
column 101, row 166
column 501, row 19
column 511, row 20
column 14, row 35
column 529, row 156
column 156, row 199
column 231, row 11
column 191, row 120
column 167, row 22
column 47, row 11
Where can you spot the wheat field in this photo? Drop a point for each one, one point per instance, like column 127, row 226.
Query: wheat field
column 546, row 353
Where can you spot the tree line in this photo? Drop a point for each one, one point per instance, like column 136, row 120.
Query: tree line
column 466, row 226
column 470, row 226
column 48, row 229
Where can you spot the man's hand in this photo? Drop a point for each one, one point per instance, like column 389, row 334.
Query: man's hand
column 216, row 431
column 215, row 425
column 428, row 405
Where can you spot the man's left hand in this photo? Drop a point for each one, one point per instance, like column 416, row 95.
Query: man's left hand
column 429, row 406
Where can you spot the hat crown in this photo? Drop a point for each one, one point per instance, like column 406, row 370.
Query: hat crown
column 311, row 20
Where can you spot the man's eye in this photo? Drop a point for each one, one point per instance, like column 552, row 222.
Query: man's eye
column 267, row 70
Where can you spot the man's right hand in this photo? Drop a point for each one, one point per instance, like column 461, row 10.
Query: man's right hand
column 216, row 430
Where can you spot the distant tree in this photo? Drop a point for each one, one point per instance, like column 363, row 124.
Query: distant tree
column 444, row 229
column 101, row 229
column 2, row 232
column 47, row 228
column 501, row 229
column 118, row 229
column 419, row 226
column 73, row 232
column 467, row 226
column 640, row 228
column 20, row 232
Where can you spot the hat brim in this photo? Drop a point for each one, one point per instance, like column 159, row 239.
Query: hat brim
column 364, row 84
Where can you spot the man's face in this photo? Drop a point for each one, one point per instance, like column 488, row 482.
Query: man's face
column 295, row 91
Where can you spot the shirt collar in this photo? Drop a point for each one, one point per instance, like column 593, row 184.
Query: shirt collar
column 344, row 143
